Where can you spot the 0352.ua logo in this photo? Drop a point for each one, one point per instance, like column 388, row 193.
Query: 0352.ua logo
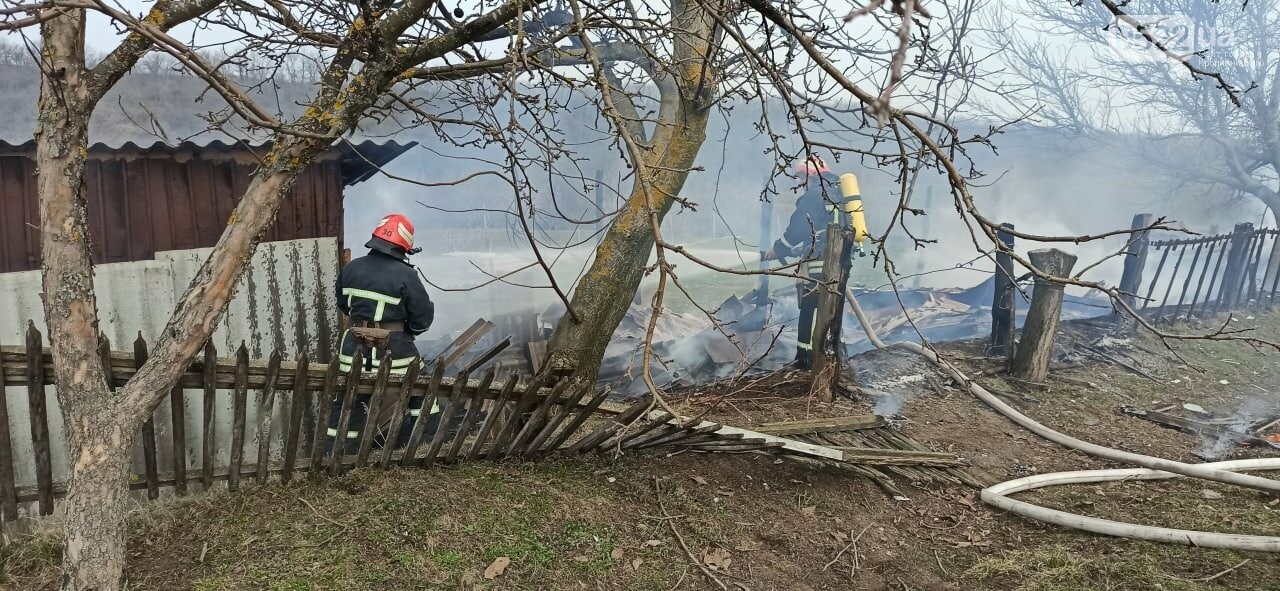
column 1176, row 33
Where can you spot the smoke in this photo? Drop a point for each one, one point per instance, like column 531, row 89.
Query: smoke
column 1253, row 410
column 469, row 238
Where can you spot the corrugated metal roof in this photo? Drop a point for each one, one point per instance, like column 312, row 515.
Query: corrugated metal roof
column 359, row 160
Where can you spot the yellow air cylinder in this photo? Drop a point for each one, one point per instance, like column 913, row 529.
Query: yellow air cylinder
column 853, row 207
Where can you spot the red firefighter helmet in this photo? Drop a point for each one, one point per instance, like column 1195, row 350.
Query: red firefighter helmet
column 814, row 164
column 397, row 230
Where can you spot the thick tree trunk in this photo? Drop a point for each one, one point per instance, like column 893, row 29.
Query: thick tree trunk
column 687, row 89
column 94, row 552
column 96, row 503
column 604, row 294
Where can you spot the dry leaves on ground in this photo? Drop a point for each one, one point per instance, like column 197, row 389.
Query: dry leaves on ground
column 498, row 567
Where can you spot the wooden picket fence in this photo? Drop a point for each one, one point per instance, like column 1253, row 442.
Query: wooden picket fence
column 490, row 418
column 1196, row 277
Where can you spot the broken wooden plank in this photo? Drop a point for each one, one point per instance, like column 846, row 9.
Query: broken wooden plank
column 467, row 340
column 889, row 457
column 822, row 425
column 1194, row 427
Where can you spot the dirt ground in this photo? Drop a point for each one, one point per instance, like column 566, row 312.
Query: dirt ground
column 639, row 522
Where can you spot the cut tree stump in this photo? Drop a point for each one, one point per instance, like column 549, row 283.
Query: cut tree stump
column 1035, row 349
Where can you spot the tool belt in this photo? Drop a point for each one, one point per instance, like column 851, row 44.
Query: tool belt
column 375, row 335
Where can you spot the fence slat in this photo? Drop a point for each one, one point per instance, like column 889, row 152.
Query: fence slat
column 8, row 486
column 562, row 411
column 706, row 432
column 534, row 423
column 371, row 414
column 1233, row 276
column 1155, row 279
column 297, row 405
column 583, row 414
column 1209, row 298
column 664, row 432
column 1182, row 252
column 1204, row 273
column 239, row 402
column 39, row 419
column 494, row 416
column 539, row 431
column 1255, row 263
column 474, row 404
column 339, row 447
column 446, row 417
column 398, row 412
column 424, row 414
column 148, row 429
column 607, row 430
column 178, row 431
column 209, row 443
column 324, row 403
column 266, row 409
column 1186, row 284
column 516, row 418
column 625, row 439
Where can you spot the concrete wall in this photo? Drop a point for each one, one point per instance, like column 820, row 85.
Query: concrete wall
column 284, row 302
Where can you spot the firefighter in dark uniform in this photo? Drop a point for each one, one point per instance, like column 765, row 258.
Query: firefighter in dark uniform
column 388, row 306
column 805, row 239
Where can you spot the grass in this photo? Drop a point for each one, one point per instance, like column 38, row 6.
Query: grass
column 38, row 554
column 1063, row 568
column 402, row 530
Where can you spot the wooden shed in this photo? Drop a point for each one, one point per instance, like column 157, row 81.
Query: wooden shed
column 161, row 197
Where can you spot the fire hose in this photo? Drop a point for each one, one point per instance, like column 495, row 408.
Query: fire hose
column 1152, row 468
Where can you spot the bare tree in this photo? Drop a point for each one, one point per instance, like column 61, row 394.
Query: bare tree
column 368, row 49
column 704, row 56
column 1189, row 86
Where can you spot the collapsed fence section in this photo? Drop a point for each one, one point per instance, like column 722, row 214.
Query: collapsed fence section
column 1201, row 276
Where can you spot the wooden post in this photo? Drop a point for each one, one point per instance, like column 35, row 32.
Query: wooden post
column 208, row 441
column 239, row 404
column 39, row 420
column 8, row 485
column 266, row 407
column 826, row 360
column 297, row 404
column 178, row 435
column 324, row 402
column 1233, row 277
column 1035, row 349
column 1135, row 261
column 1004, row 306
column 148, row 429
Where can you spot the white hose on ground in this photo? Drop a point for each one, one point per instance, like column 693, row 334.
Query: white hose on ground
column 1157, row 465
column 997, row 496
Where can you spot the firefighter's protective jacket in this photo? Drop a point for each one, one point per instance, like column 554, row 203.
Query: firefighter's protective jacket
column 381, row 287
column 806, row 234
